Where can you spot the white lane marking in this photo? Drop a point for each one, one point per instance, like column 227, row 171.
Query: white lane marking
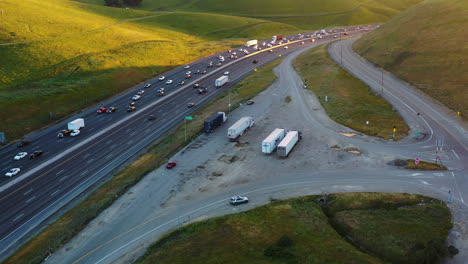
column 438, row 174
column 128, row 130
column 147, row 130
column 133, row 133
column 159, row 111
column 89, row 129
column 113, row 146
column 108, row 142
column 129, row 142
column 52, row 194
column 26, row 193
column 456, row 187
column 16, row 218
column 59, row 172
column 87, row 155
column 30, row 199
column 455, row 154
column 84, row 172
column 425, row 182
column 63, row 178
column 108, row 156
column 89, row 161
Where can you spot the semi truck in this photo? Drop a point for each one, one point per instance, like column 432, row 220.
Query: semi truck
column 221, row 81
column 252, row 42
column 276, row 38
column 239, row 127
column 288, row 143
column 76, row 124
column 270, row 143
column 214, row 121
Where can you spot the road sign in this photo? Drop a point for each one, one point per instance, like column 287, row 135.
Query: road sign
column 417, row 161
column 279, row 55
column 189, row 117
column 416, row 132
column 394, row 130
column 2, row 137
column 255, row 69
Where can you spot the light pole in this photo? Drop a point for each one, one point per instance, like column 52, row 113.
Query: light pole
column 341, row 51
column 229, row 101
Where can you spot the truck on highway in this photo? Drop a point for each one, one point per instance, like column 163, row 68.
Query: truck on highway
column 239, row 127
column 214, row 121
column 276, row 38
column 221, row 81
column 270, row 143
column 76, row 124
column 252, row 42
column 288, row 143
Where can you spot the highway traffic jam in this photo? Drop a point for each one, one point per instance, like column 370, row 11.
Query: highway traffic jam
column 125, row 124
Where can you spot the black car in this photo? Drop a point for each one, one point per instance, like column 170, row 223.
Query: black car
column 131, row 108
column 254, row 61
column 152, row 117
column 23, row 143
column 36, row 154
column 190, row 105
column 202, row 90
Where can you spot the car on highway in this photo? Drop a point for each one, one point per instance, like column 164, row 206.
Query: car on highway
column 75, row 133
column 181, row 83
column 36, row 154
column 186, row 66
column 270, row 50
column 254, row 61
column 12, row 172
column 171, row 164
column 111, row 109
column 197, row 85
column 226, row 73
column 210, row 64
column 168, row 81
column 162, row 78
column 188, row 76
column 236, row 200
column 190, row 105
column 249, row 102
column 219, row 64
column 101, row 110
column 197, row 71
column 285, row 47
column 141, row 92
column 64, row 133
column 23, row 143
column 148, row 85
column 302, row 43
column 203, row 72
column 136, row 97
column 188, row 72
column 20, row 155
column 131, row 108
column 202, row 90
column 152, row 117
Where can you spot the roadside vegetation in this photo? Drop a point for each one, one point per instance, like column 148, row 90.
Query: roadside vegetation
column 61, row 56
column 383, row 228
column 424, row 165
column 350, row 102
column 426, row 46
column 75, row 220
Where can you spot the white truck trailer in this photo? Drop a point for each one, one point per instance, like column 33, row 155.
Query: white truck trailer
column 288, row 143
column 252, row 42
column 269, row 143
column 221, row 81
column 76, row 124
column 239, row 127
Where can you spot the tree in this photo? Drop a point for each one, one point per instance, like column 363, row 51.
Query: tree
column 113, row 3
column 132, row 2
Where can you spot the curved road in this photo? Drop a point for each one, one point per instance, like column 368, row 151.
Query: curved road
column 123, row 232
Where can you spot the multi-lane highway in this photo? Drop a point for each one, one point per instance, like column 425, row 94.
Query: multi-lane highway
column 73, row 164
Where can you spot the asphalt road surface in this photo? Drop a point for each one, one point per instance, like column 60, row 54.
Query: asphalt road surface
column 71, row 165
column 166, row 199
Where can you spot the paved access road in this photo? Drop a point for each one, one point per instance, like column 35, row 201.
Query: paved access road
column 73, row 164
column 166, row 199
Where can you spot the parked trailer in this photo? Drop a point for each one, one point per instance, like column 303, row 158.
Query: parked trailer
column 239, row 127
column 252, row 42
column 214, row 121
column 288, row 143
column 221, row 81
column 269, row 143
column 76, row 124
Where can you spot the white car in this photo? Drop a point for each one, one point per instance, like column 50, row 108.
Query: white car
column 285, row 47
column 20, row 155
column 141, row 92
column 186, row 66
column 12, row 172
column 188, row 72
column 226, row 73
column 162, row 78
column 238, row 200
column 168, row 81
column 147, row 85
column 74, row 133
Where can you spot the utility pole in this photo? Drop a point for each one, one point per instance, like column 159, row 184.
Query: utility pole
column 341, row 51
column 229, row 99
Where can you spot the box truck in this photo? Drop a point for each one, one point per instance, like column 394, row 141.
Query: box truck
column 221, row 81
column 269, row 143
column 276, row 38
column 252, row 42
column 214, row 121
column 288, row 143
column 76, row 124
column 239, row 127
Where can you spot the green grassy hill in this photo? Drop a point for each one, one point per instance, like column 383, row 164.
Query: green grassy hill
column 60, row 56
column 427, row 46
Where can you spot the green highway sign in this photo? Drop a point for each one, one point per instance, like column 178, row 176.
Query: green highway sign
column 189, row 117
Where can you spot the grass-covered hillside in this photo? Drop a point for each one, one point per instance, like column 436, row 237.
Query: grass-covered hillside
column 348, row 228
column 426, row 45
column 59, row 56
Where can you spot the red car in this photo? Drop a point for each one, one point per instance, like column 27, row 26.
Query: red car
column 101, row 110
column 171, row 164
column 188, row 76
